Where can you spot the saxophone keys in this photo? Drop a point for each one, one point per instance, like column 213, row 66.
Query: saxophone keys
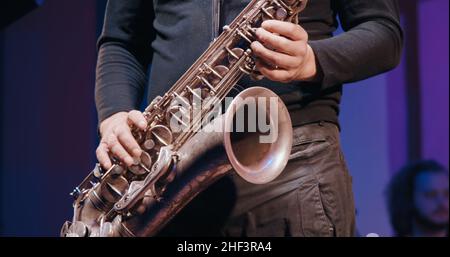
column 219, row 73
column 107, row 230
column 234, row 55
column 77, row 229
column 117, row 170
column 222, row 70
column 268, row 13
column 242, row 35
column 161, row 135
column 143, row 166
column 181, row 99
column 146, row 160
column 138, row 135
column 281, row 14
column 98, row 171
column 113, row 189
column 206, row 83
column 154, row 105
column 76, row 193
column 178, row 112
column 226, row 28
column 213, row 71
column 244, row 70
column 199, row 92
column 205, row 92
column 252, row 30
column 149, row 144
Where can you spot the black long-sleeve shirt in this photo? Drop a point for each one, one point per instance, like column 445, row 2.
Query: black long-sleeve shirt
column 171, row 35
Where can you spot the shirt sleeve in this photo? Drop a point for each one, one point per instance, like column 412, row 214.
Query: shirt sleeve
column 372, row 42
column 124, row 56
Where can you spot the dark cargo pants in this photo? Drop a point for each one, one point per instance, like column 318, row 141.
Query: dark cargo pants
column 312, row 197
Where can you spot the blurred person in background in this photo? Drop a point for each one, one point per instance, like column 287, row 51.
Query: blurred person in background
column 418, row 200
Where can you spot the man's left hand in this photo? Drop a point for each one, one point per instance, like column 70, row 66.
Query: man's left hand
column 283, row 53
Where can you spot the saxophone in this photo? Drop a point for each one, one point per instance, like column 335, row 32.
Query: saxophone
column 140, row 200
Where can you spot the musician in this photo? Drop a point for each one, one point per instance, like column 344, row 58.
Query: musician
column 418, row 200
column 304, row 64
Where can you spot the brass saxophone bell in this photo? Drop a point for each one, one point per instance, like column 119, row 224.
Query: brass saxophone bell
column 259, row 157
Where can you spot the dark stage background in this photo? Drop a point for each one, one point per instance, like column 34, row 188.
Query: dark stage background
column 48, row 119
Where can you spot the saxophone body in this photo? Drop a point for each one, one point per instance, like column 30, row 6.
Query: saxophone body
column 178, row 162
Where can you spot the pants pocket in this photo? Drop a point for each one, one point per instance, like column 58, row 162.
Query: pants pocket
column 307, row 149
column 314, row 220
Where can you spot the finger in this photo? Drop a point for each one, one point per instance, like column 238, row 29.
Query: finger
column 276, row 59
column 137, row 118
column 127, row 140
column 286, row 29
column 102, row 156
column 120, row 152
column 278, row 43
column 273, row 74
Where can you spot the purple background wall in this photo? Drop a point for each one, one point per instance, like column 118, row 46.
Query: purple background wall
column 48, row 115
column 377, row 114
column 433, row 56
column 48, row 129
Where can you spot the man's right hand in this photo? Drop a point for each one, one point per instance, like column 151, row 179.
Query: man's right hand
column 117, row 140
